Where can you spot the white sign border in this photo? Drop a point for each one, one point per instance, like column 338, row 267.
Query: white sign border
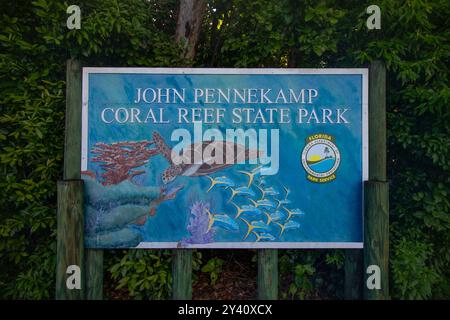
column 364, row 72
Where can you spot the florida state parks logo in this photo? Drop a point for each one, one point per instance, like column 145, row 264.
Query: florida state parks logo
column 320, row 158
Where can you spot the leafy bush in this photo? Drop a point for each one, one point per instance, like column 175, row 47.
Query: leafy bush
column 413, row 278
column 214, row 268
column 302, row 284
column 311, row 274
column 145, row 274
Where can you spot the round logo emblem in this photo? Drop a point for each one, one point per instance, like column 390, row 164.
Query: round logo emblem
column 320, row 158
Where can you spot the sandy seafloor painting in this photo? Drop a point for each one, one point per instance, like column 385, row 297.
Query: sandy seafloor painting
column 128, row 205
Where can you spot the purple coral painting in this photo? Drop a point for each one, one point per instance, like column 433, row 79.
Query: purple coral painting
column 199, row 228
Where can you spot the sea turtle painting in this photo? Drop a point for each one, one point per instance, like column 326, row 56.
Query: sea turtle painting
column 188, row 167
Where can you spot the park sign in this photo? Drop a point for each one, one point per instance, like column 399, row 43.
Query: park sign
column 224, row 158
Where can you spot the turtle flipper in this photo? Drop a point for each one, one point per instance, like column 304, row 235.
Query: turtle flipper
column 162, row 147
column 171, row 173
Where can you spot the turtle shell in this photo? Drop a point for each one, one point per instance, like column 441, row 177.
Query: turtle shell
column 213, row 156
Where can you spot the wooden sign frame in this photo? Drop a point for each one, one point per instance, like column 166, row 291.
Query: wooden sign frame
column 70, row 239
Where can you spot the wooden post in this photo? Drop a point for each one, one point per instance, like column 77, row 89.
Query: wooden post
column 70, row 226
column 182, row 274
column 267, row 274
column 94, row 274
column 353, row 274
column 376, row 238
column 377, row 121
column 70, row 250
column 89, row 261
column 376, row 217
column 72, row 142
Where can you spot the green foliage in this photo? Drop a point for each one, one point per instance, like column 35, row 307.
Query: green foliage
column 267, row 33
column 214, row 268
column 413, row 278
column 335, row 258
column 302, row 284
column 145, row 274
column 311, row 274
column 413, row 41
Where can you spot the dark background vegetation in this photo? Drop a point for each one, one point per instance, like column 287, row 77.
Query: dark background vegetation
column 413, row 42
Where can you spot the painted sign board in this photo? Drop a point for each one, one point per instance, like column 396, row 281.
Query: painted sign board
column 224, row 158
